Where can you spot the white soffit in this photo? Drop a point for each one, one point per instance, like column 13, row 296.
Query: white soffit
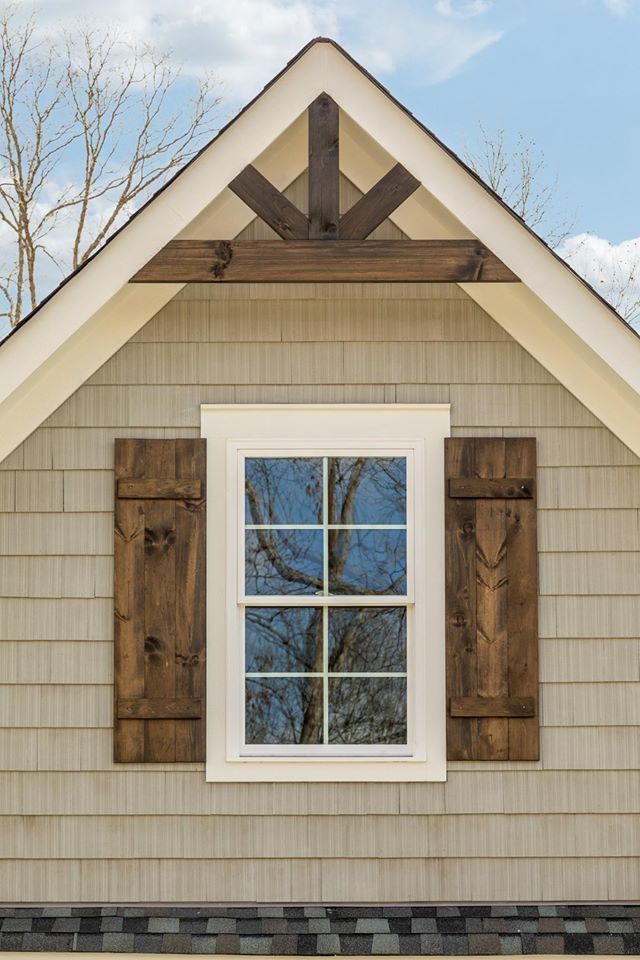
column 551, row 313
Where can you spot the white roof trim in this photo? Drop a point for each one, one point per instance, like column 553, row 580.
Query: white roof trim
column 552, row 314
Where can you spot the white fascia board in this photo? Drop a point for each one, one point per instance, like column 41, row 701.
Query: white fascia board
column 610, row 351
column 38, row 395
column 96, row 312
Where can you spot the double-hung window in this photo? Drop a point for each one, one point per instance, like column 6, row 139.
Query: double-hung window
column 325, row 592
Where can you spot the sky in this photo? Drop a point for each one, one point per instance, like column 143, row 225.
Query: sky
column 561, row 72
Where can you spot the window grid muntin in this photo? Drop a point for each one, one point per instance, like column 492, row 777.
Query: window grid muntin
column 325, row 600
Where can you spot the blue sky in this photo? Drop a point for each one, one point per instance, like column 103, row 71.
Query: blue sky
column 564, row 72
column 561, row 72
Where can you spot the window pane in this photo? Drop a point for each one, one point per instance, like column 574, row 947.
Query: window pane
column 367, row 639
column 367, row 490
column 283, row 562
column 368, row 561
column 283, row 710
column 283, row 490
column 363, row 710
column 283, row 639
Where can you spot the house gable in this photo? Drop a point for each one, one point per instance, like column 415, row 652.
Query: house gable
column 553, row 314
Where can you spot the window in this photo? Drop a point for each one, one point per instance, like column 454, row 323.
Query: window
column 325, row 592
column 326, row 578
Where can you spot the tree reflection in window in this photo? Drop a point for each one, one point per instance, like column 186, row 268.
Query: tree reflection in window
column 323, row 527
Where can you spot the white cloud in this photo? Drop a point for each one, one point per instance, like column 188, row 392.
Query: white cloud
column 428, row 47
column 620, row 7
column 245, row 45
column 472, row 8
column 612, row 269
column 252, row 39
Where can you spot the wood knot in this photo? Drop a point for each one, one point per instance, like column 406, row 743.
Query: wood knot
column 153, row 647
column 190, row 660
column 223, row 252
column 193, row 506
column 458, row 620
column 159, row 539
column 468, row 528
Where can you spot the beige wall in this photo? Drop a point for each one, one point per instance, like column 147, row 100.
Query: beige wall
column 73, row 826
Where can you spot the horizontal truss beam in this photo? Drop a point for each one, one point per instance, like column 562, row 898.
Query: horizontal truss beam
column 336, row 261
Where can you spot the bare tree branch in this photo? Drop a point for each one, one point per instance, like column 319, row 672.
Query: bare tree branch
column 516, row 171
column 89, row 126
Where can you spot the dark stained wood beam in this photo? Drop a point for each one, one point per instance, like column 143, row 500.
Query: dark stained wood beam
column 270, row 204
column 307, row 261
column 378, row 203
column 324, row 174
column 510, row 488
column 149, row 489
column 160, row 708
column 492, row 707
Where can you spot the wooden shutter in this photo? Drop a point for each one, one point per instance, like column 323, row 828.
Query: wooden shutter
column 492, row 599
column 159, row 705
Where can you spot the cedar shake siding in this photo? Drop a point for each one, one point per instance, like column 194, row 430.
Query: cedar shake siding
column 75, row 826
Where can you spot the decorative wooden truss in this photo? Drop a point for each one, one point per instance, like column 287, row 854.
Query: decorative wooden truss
column 324, row 246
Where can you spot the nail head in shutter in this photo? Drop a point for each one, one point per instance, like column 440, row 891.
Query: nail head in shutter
column 159, row 562
column 491, row 602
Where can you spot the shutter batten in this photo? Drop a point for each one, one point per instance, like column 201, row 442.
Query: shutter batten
column 159, row 601
column 492, row 595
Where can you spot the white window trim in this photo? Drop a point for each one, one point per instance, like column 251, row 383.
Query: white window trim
column 232, row 429
column 237, row 599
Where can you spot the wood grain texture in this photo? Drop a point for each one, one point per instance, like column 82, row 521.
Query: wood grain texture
column 522, row 572
column 307, row 261
column 190, row 640
column 157, row 489
column 324, row 168
column 160, row 644
column 492, row 599
column 378, row 203
column 513, row 488
column 270, row 204
column 498, row 581
column 492, row 707
column 461, row 626
column 128, row 737
column 167, row 708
